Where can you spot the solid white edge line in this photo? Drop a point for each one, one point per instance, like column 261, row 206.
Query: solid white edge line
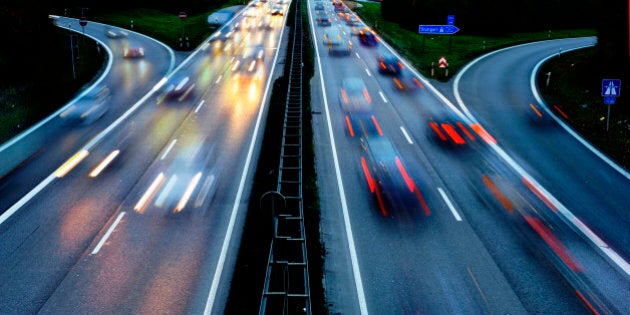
column 87, row 147
column 532, row 82
column 406, row 134
column 27, row 132
column 566, row 213
column 449, row 204
column 344, row 206
column 382, row 96
column 228, row 235
column 27, row 197
column 107, row 234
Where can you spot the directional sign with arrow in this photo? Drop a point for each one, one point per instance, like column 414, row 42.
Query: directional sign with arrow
column 438, row 29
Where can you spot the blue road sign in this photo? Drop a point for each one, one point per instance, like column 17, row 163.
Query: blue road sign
column 450, row 20
column 611, row 87
column 609, row 100
column 438, row 29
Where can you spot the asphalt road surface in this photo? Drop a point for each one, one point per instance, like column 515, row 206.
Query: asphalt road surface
column 486, row 237
column 139, row 217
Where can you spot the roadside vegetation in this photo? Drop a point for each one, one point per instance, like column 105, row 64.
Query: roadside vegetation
column 22, row 106
column 577, row 94
column 423, row 50
column 574, row 86
column 164, row 26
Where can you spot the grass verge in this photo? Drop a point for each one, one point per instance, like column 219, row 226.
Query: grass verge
column 166, row 27
column 579, row 102
column 572, row 90
column 422, row 50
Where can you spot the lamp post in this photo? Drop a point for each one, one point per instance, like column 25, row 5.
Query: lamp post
column 74, row 74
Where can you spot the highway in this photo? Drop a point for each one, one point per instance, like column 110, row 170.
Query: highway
column 486, row 236
column 464, row 197
column 138, row 216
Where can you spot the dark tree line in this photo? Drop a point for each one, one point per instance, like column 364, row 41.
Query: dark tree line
column 96, row 6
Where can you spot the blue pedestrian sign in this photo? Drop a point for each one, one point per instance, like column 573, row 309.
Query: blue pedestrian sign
column 438, row 29
column 611, row 87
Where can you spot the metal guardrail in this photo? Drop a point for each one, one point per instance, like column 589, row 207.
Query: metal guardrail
column 286, row 289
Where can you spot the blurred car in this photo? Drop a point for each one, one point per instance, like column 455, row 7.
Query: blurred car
column 394, row 190
column 338, row 6
column 250, row 63
column 450, row 130
column 319, row 6
column 405, row 81
column 88, row 108
column 354, row 96
column 276, row 9
column 323, row 18
column 356, row 104
column 250, row 13
column 337, row 43
column 354, row 29
column 352, row 19
column 178, row 88
column 115, row 33
column 221, row 42
column 133, row 51
column 266, row 22
column 243, row 24
column 389, row 64
column 324, row 21
column 367, row 37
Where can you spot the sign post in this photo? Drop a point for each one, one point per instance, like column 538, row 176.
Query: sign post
column 611, row 89
column 442, row 63
column 450, row 20
column 182, row 16
column 448, row 29
column 83, row 23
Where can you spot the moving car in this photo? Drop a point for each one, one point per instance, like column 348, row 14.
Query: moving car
column 337, row 43
column 133, row 50
column 222, row 42
column 407, row 82
column 89, row 108
column 250, row 63
column 352, row 20
column 322, row 18
column 319, row 6
column 389, row 64
column 394, row 190
column 338, row 6
column 276, row 9
column 115, row 33
column 179, row 88
column 367, row 37
column 356, row 104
